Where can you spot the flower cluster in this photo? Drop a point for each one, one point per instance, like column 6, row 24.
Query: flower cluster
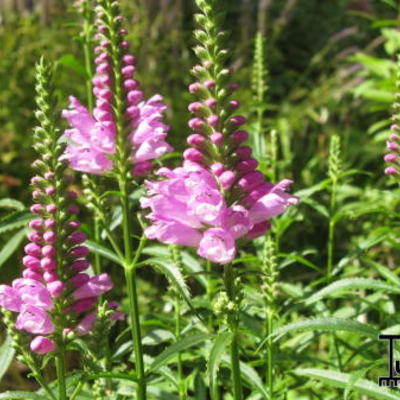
column 218, row 196
column 54, row 295
column 92, row 139
column 393, row 146
column 43, row 283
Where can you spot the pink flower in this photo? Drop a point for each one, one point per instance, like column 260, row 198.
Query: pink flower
column 96, row 286
column 217, row 245
column 10, row 299
column 33, row 293
column 272, row 204
column 42, row 345
column 34, row 320
column 86, row 324
column 91, row 142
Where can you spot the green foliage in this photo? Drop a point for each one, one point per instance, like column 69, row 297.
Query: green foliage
column 318, row 91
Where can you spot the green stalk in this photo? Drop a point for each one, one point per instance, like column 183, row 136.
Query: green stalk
column 233, row 322
column 331, row 233
column 60, row 367
column 181, row 383
column 87, row 32
column 130, row 276
column 270, row 360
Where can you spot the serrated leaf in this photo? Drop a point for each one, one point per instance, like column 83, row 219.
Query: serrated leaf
column 328, row 324
column 103, row 251
column 347, row 284
column 190, row 263
column 20, row 395
column 171, row 351
column 216, row 353
column 384, row 271
column 12, row 203
column 341, row 380
column 15, row 220
column 7, row 353
column 9, row 248
column 175, row 277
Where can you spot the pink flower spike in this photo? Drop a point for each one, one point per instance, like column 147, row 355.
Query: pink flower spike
column 37, row 209
column 142, row 168
column 196, row 140
column 50, row 223
column 51, row 208
column 42, row 345
column 79, row 279
column 239, row 136
column 31, row 262
column 244, row 152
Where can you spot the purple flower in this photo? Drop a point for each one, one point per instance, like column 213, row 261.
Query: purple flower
column 392, row 159
column 42, row 345
column 92, row 137
column 34, row 320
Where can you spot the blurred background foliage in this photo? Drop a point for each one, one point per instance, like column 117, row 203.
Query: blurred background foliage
column 331, row 70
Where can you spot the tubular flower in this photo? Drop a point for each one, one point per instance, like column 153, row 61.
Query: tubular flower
column 392, row 158
column 217, row 196
column 48, row 297
column 92, row 137
column 48, row 280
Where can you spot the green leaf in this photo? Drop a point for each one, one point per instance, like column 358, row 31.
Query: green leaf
column 250, row 376
column 103, row 251
column 217, row 350
column 15, row 220
column 190, row 263
column 328, row 324
column 9, row 248
column 384, row 271
column 350, row 284
column 70, row 61
column 6, row 356
column 341, row 380
column 12, row 203
column 115, row 375
column 20, row 395
column 171, row 351
column 175, row 277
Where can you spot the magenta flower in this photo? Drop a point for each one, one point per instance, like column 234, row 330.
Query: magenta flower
column 188, row 209
column 217, row 198
column 393, row 157
column 92, row 137
column 50, row 282
column 42, row 345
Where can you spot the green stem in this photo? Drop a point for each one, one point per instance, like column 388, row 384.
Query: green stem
column 97, row 263
column 60, row 367
column 331, row 233
column 42, row 382
column 87, row 54
column 270, row 365
column 181, row 383
column 130, row 276
column 233, row 323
